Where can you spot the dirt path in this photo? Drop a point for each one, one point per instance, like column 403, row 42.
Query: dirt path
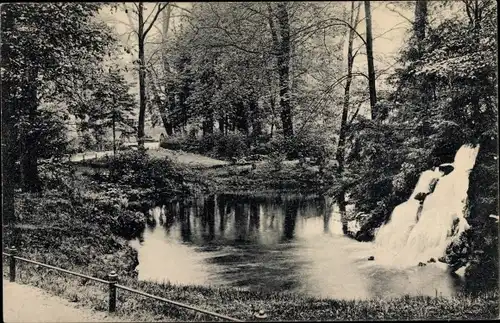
column 23, row 303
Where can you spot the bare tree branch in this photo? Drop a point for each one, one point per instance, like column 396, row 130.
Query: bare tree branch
column 176, row 6
column 390, row 8
column 337, row 22
column 158, row 11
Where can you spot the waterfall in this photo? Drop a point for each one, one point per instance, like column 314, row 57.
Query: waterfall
column 422, row 227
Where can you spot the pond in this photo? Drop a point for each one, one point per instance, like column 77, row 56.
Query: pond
column 286, row 243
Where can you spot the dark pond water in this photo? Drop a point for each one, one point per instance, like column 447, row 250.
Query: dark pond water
column 272, row 243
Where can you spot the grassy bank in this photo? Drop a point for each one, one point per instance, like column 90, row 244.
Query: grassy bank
column 241, row 304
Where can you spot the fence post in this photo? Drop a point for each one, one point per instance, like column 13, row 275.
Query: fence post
column 260, row 316
column 12, row 263
column 113, row 279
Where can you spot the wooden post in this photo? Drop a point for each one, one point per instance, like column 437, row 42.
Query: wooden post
column 113, row 279
column 260, row 316
column 12, row 263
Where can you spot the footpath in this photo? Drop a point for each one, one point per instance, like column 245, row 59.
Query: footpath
column 24, row 303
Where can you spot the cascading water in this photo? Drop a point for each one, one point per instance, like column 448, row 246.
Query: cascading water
column 419, row 231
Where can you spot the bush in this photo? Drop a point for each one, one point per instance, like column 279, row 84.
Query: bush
column 233, row 145
column 55, row 174
column 186, row 143
column 129, row 224
column 313, row 144
column 137, row 169
column 276, row 161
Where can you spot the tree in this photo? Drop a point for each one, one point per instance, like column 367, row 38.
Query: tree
column 46, row 43
column 340, row 155
column 136, row 11
column 281, row 42
column 9, row 177
column 102, row 101
column 371, row 68
column 42, row 44
column 420, row 23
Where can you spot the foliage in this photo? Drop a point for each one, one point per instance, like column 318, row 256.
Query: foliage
column 50, row 130
column 443, row 97
column 315, row 143
column 231, row 146
column 45, row 47
column 221, row 68
column 137, row 169
column 483, row 202
column 101, row 102
column 276, row 160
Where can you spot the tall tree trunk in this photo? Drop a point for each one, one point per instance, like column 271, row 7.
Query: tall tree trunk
column 142, row 77
column 208, row 123
column 222, row 121
column 241, row 118
column 29, row 158
column 273, row 107
column 284, row 69
column 164, row 109
column 114, row 132
column 340, row 155
column 9, row 173
column 420, row 23
column 371, row 67
column 256, row 119
column 171, row 106
column 419, row 27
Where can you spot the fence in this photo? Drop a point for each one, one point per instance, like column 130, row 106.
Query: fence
column 113, row 285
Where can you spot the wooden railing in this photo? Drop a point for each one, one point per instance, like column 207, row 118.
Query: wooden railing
column 112, row 283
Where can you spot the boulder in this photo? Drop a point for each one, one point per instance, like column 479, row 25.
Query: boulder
column 431, row 260
column 371, row 258
column 420, row 197
column 422, row 264
column 458, row 252
column 353, row 227
column 446, row 168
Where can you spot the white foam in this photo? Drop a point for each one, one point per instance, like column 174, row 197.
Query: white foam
column 406, row 240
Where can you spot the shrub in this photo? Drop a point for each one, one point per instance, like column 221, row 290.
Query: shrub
column 129, row 224
column 55, row 174
column 231, row 145
column 314, row 144
column 179, row 142
column 137, row 169
column 276, row 161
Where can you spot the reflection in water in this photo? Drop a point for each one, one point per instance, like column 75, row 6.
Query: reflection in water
column 185, row 220
column 291, row 210
column 275, row 244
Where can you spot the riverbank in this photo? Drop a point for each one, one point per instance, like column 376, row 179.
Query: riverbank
column 83, row 234
column 217, row 176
